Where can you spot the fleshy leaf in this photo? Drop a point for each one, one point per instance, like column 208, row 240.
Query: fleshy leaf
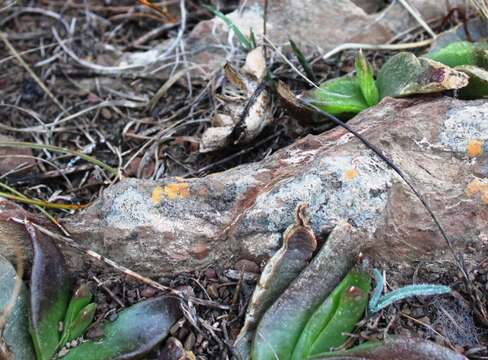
column 377, row 303
column 339, row 313
column 478, row 82
column 299, row 243
column 455, row 54
column 136, row 331
column 404, row 74
column 339, row 96
column 80, row 323
column 398, row 348
column 365, row 79
column 81, row 298
column 16, row 331
column 49, row 293
column 281, row 325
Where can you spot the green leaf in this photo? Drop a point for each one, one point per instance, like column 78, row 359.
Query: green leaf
column 281, row 325
column 478, row 82
column 49, row 293
column 245, row 42
column 339, row 96
column 302, row 60
column 299, row 243
column 377, row 303
column 404, row 74
column 339, row 313
column 16, row 331
column 135, row 332
column 80, row 323
column 455, row 54
column 81, row 298
column 365, row 78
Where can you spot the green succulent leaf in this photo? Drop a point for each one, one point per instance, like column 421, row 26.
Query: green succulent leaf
column 280, row 327
column 455, row 54
column 302, row 60
column 15, row 334
column 49, row 293
column 404, row 74
column 365, row 78
column 478, row 82
column 81, row 298
column 136, row 331
column 339, row 96
column 339, row 313
column 378, row 302
column 79, row 324
column 299, row 243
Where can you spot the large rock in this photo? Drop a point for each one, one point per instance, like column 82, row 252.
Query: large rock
column 174, row 225
column 315, row 25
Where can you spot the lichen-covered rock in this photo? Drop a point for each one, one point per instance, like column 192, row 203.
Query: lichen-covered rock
column 173, row 225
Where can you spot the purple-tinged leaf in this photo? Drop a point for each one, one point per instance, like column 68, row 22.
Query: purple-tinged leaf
column 49, row 293
column 135, row 332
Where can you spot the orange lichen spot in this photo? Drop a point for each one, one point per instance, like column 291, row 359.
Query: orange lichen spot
column 176, row 190
column 475, row 187
column 484, row 197
column 156, row 195
column 350, row 174
column 474, row 148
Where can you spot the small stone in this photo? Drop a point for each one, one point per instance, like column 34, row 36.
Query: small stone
column 190, row 341
column 211, row 273
column 106, row 113
column 248, row 266
column 148, row 292
column 213, row 291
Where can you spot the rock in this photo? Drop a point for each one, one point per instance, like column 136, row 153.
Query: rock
column 16, row 331
column 315, row 25
column 174, row 225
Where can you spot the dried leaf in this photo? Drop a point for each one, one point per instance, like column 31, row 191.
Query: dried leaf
column 404, row 74
column 135, row 332
column 49, row 293
column 255, row 64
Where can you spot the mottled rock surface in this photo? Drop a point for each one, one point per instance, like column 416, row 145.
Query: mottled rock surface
column 315, row 25
column 175, row 225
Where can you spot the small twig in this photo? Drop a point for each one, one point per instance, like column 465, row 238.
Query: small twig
column 108, row 291
column 41, row 202
column 90, row 159
column 73, row 244
column 21, row 61
column 357, row 46
column 415, row 13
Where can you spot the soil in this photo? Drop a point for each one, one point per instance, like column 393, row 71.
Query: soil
column 163, row 141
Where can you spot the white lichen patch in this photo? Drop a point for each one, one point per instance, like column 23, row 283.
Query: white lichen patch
column 463, row 127
column 339, row 188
